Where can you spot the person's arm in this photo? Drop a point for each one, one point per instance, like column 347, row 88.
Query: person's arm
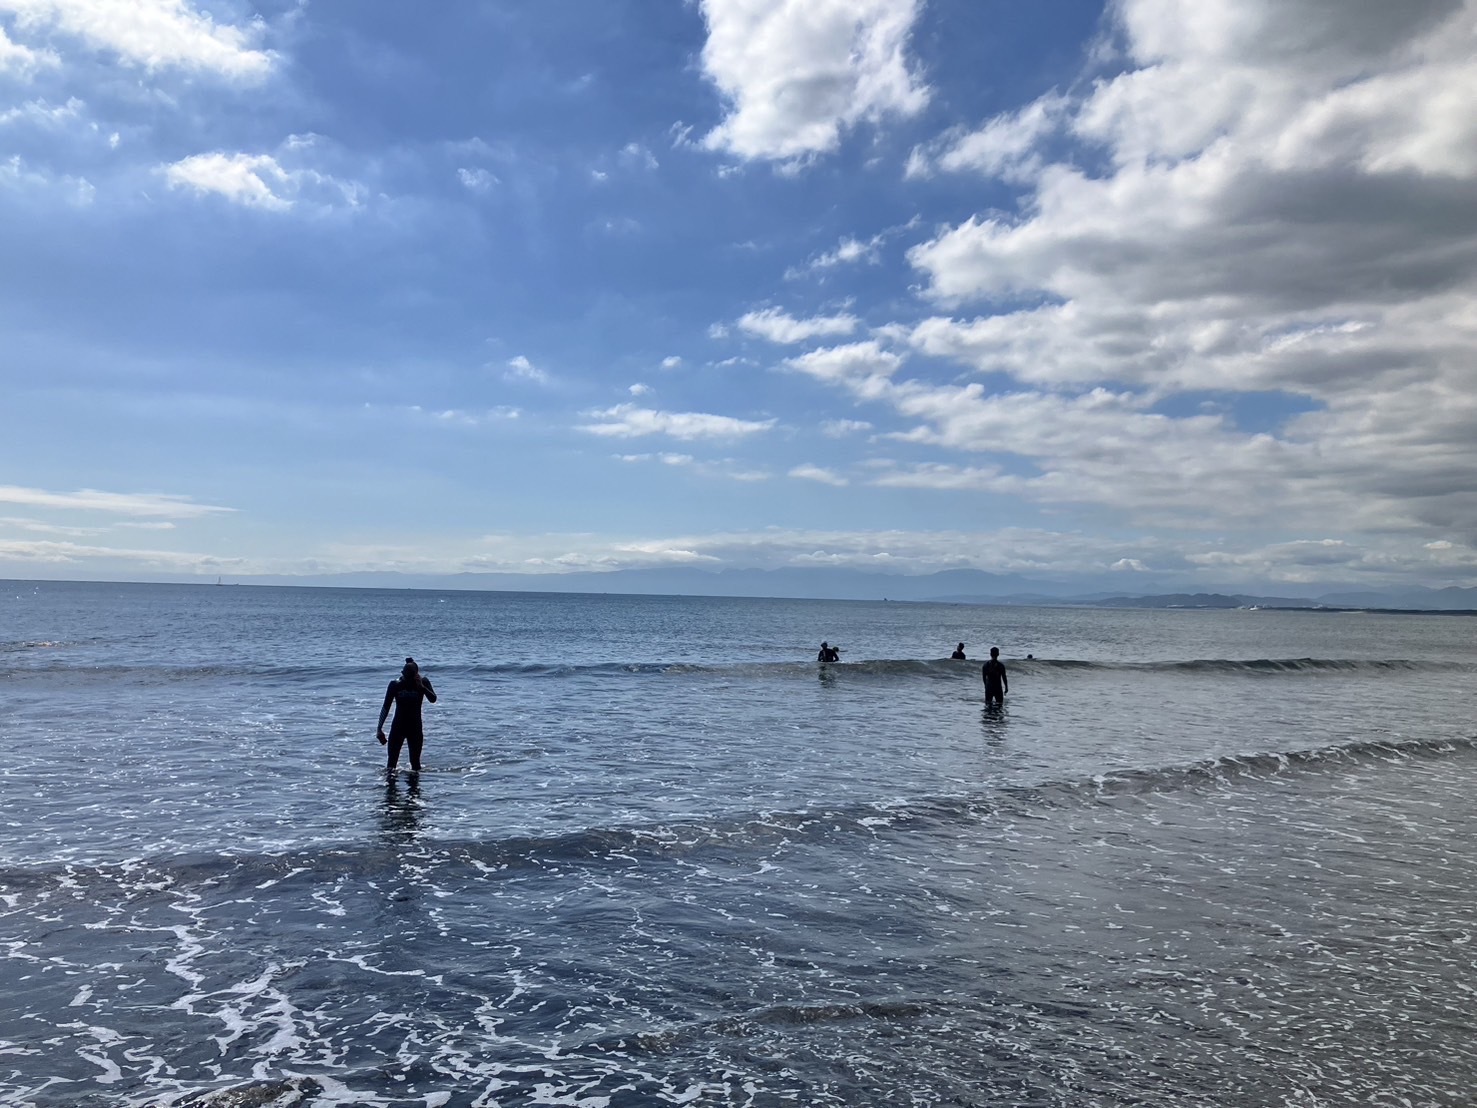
column 1004, row 680
column 379, row 731
column 430, row 692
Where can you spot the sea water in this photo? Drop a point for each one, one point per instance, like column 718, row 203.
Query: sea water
column 658, row 856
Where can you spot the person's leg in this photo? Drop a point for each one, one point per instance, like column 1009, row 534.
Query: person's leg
column 415, row 742
column 396, row 739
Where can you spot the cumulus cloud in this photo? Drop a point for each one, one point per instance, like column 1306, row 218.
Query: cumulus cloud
column 796, row 74
column 1007, row 146
column 261, row 180
column 21, row 60
column 1110, row 449
column 39, row 113
column 628, row 421
column 1270, row 197
column 521, row 369
column 849, row 251
column 145, row 505
column 780, row 327
column 154, row 34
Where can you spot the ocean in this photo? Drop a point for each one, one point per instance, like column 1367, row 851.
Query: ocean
column 658, row 856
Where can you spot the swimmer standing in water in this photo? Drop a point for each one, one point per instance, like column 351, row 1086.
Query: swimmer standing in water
column 406, row 693
column 997, row 684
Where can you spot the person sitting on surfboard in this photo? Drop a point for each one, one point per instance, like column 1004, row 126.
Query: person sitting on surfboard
column 406, row 693
column 958, row 654
column 828, row 653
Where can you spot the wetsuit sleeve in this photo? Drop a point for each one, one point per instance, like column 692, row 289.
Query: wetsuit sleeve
column 1004, row 680
column 385, row 707
column 430, row 692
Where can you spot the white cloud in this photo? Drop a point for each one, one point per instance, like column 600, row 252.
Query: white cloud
column 454, row 417
column 840, row 428
column 780, row 327
column 39, row 113
column 1107, row 448
column 811, row 472
column 671, row 361
column 666, row 459
column 521, row 369
column 146, row 505
column 638, row 389
column 241, row 178
column 659, row 553
column 52, row 553
column 797, row 73
column 629, row 421
column 21, row 60
column 1006, row 146
column 634, row 155
column 863, row 367
column 261, row 180
column 155, row 34
column 39, row 527
column 480, row 181
column 17, row 174
column 722, row 468
column 849, row 251
column 1278, row 202
column 935, row 475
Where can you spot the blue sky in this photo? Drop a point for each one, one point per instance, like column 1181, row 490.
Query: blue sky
column 1173, row 292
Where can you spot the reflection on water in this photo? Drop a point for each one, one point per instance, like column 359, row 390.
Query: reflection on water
column 403, row 811
column 993, row 721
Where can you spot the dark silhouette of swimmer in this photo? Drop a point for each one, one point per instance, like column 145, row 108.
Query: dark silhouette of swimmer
column 406, row 693
column 828, row 653
column 958, row 654
column 993, row 674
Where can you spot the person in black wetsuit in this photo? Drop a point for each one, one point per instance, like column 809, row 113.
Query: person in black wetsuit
column 406, row 693
column 993, row 674
column 958, row 654
column 828, row 653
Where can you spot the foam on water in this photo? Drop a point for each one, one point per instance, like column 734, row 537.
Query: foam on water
column 633, row 878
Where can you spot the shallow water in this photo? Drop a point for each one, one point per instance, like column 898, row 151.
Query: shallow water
column 659, row 856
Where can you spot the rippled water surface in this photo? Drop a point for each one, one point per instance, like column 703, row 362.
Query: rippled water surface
column 658, row 856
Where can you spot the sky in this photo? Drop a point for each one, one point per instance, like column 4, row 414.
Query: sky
column 1176, row 293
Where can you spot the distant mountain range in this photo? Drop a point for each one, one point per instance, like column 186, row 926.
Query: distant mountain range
column 1445, row 600
column 954, row 586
